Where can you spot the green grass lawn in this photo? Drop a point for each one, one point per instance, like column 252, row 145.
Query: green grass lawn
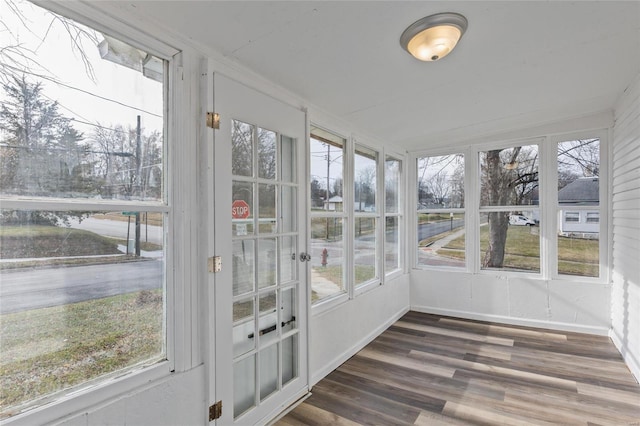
column 18, row 242
column 576, row 256
column 334, row 273
column 51, row 349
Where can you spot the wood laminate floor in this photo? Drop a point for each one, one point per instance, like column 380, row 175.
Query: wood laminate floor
column 433, row 370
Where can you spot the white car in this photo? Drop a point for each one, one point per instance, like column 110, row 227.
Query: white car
column 516, row 219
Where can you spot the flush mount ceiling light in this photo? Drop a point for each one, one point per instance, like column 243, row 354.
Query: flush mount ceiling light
column 433, row 37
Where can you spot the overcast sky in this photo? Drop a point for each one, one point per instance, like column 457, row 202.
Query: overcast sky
column 55, row 54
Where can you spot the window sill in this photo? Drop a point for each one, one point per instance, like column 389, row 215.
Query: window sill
column 329, row 303
column 368, row 286
column 61, row 405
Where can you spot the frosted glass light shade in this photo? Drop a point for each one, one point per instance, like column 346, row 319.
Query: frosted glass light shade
column 433, row 37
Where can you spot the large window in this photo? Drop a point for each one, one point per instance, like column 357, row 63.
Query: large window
column 84, row 210
column 392, row 214
column 524, row 223
column 509, row 209
column 328, row 214
column 440, row 211
column 579, row 207
column 366, row 216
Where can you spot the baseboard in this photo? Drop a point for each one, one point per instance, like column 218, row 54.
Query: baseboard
column 342, row 358
column 632, row 363
column 553, row 325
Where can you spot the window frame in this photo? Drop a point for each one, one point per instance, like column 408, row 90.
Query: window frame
column 376, row 215
column 547, row 207
column 349, row 215
column 455, row 210
column 604, row 207
column 344, row 295
column 479, row 209
column 399, row 215
column 58, row 404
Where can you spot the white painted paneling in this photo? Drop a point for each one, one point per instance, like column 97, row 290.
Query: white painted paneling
column 570, row 305
column 625, row 295
column 184, row 393
column 337, row 334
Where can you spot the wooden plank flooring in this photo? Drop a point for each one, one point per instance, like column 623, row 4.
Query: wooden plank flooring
column 433, row 370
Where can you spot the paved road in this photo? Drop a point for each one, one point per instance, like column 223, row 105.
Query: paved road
column 22, row 290
column 118, row 229
column 427, row 230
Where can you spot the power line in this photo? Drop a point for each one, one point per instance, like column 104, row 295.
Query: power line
column 53, row 80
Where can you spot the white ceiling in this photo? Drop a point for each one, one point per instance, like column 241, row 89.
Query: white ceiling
column 520, row 63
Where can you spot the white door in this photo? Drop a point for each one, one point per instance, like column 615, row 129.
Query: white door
column 260, row 295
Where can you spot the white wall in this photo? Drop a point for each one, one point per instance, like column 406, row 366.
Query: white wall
column 338, row 333
column 177, row 400
column 571, row 304
column 555, row 304
column 625, row 296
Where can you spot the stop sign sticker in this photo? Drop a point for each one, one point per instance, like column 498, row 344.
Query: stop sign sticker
column 240, row 209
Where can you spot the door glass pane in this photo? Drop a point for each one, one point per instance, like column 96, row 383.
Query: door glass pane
column 288, row 309
column 268, row 318
column 326, row 172
column 242, row 208
column 391, row 247
column 242, row 148
column 243, row 326
column 365, row 172
column 288, row 209
column 289, row 359
column 288, row 159
column 268, row 371
column 441, row 182
column 288, row 254
column 327, row 251
column 266, row 154
column 365, row 249
column 267, row 208
column 267, row 266
column 243, row 266
column 244, row 385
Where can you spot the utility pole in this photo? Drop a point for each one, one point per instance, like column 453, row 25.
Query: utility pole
column 138, row 184
column 328, row 181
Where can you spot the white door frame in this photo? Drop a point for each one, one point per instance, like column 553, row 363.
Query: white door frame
column 231, row 97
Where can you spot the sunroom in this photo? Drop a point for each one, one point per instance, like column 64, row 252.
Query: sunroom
column 207, row 207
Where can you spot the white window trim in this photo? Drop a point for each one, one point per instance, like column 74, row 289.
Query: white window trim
column 548, row 206
column 400, row 215
column 603, row 208
column 330, row 302
column 349, row 215
column 178, row 109
column 414, row 212
column 358, row 289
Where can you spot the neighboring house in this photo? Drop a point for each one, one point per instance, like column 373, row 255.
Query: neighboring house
column 580, row 192
column 334, row 204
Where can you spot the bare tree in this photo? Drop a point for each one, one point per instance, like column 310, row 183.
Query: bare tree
column 509, row 178
column 17, row 60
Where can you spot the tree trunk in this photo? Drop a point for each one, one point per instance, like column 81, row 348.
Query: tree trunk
column 498, row 225
column 497, row 185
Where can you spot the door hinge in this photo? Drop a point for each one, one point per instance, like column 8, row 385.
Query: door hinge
column 214, row 264
column 215, row 411
column 213, row 120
